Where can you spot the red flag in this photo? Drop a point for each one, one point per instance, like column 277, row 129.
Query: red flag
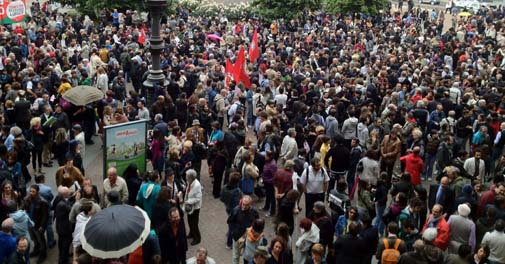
column 229, row 71
column 142, row 36
column 254, row 52
column 239, row 65
column 239, row 74
column 245, row 78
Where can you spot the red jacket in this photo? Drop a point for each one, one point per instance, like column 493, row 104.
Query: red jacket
column 443, row 231
column 413, row 165
column 486, row 198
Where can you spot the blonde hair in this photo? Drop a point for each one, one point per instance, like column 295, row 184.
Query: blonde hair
column 173, row 154
column 416, row 132
column 107, row 110
column 120, row 110
column 61, row 135
column 188, row 144
column 35, row 122
column 317, row 249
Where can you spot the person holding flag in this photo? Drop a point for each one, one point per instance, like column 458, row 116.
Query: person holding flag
column 239, row 73
column 254, row 52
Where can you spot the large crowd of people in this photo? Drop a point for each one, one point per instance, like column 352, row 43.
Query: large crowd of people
column 385, row 132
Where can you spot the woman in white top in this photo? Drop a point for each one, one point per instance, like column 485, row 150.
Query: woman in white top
column 193, row 204
column 81, row 220
column 102, row 80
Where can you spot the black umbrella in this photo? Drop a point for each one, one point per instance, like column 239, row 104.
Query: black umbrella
column 115, row 231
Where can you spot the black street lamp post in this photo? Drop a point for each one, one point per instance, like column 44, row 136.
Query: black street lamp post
column 156, row 76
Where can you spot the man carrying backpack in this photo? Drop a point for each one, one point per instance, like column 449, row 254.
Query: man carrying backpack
column 390, row 248
column 315, row 184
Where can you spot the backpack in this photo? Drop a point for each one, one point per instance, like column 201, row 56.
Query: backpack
column 227, row 195
column 389, row 216
column 200, row 151
column 259, row 103
column 214, row 106
column 390, row 255
column 241, row 107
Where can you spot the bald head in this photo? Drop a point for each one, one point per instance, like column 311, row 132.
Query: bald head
column 445, row 181
column 418, row 245
column 112, row 175
column 64, row 191
column 7, row 225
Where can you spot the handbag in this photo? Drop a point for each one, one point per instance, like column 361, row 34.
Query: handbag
column 65, row 105
column 247, row 185
column 188, row 208
column 241, row 244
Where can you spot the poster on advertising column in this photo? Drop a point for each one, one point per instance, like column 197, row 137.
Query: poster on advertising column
column 125, row 144
column 12, row 11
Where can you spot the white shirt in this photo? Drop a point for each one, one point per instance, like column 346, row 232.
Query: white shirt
column 313, row 182
column 281, row 99
column 80, row 137
column 81, row 221
column 194, row 196
column 233, row 110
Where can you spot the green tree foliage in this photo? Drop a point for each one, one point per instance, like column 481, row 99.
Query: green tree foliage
column 370, row 7
column 93, row 7
column 286, row 9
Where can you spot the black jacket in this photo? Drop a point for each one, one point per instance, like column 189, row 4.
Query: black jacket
column 370, row 239
column 338, row 153
column 240, row 220
column 404, row 187
column 61, row 121
column 448, row 200
column 160, row 212
column 458, row 163
column 16, row 258
column 349, row 249
column 412, row 258
column 22, row 113
column 173, row 247
column 62, row 209
column 38, row 210
column 133, row 183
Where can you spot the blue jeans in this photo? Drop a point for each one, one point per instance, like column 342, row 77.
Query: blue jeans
column 49, row 231
column 428, row 165
column 379, row 211
column 250, row 116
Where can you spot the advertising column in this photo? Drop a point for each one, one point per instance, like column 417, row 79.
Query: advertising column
column 125, row 144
